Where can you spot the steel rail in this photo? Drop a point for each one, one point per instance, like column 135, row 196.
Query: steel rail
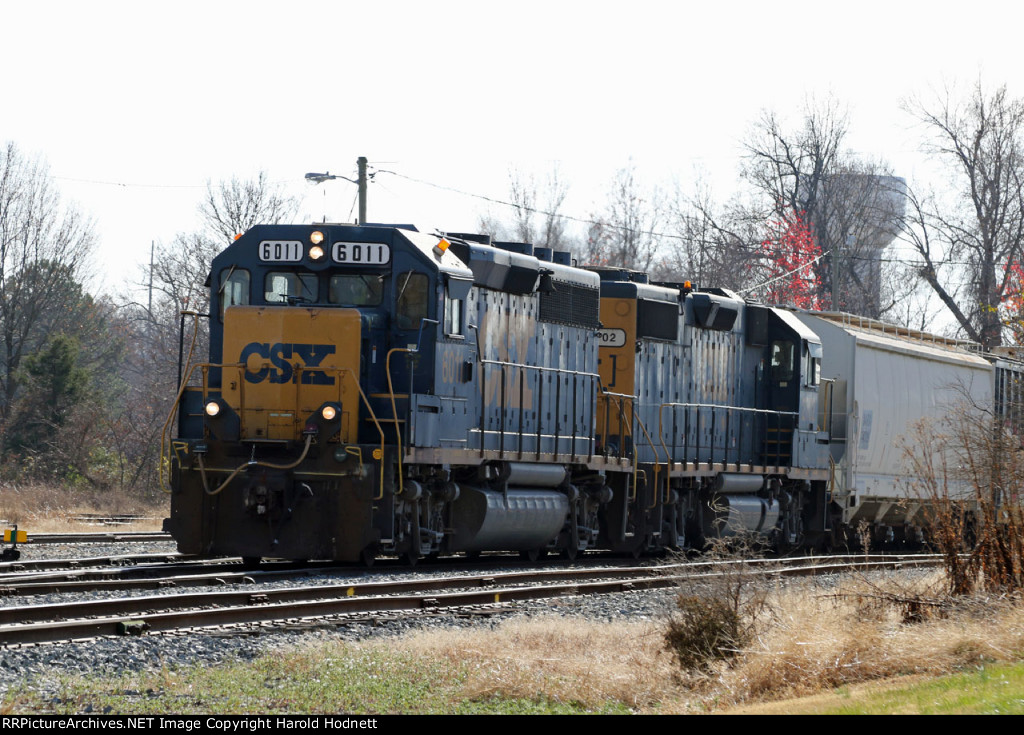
column 105, row 537
column 164, row 613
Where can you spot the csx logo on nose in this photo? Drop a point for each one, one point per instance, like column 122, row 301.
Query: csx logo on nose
column 279, row 355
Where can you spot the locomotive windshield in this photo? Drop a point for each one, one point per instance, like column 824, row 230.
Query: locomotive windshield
column 411, row 303
column 356, row 290
column 234, row 289
column 282, row 287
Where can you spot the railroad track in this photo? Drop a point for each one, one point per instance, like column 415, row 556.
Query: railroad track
column 335, row 604
column 99, row 537
column 151, row 572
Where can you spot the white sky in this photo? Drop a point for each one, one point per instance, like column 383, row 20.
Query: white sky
column 154, row 100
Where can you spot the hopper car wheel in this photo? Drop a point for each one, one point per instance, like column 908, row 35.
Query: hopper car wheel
column 570, row 552
column 368, row 556
column 531, row 555
column 250, row 562
column 473, row 555
column 410, row 558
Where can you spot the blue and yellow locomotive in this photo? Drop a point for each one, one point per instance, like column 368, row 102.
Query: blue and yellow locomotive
column 374, row 390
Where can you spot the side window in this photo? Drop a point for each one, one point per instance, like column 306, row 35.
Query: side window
column 283, row 287
column 411, row 299
column 782, row 360
column 813, row 371
column 452, row 316
column 234, row 289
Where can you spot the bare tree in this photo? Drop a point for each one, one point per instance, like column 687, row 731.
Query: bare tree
column 971, row 242
column 789, row 167
column 852, row 206
column 626, row 233
column 178, row 280
column 44, row 249
column 713, row 245
column 232, row 207
column 535, row 214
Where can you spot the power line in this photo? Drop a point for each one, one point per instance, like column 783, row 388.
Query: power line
column 124, row 185
column 129, row 185
column 534, row 210
column 799, row 268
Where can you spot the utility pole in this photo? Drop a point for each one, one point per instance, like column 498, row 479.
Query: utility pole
column 361, row 162
column 152, row 250
column 360, row 182
column 837, row 258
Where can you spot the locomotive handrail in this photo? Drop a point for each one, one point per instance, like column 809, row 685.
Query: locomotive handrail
column 607, row 395
column 394, row 411
column 623, row 423
column 205, row 368
column 713, row 407
column 245, row 465
column 373, row 417
column 182, row 384
column 540, row 368
column 657, row 459
column 593, row 378
column 633, row 419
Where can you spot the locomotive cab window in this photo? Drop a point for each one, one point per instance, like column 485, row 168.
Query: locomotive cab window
column 812, row 359
column 284, row 287
column 234, row 289
column 364, row 289
column 782, row 360
column 456, row 291
column 814, row 372
column 411, row 299
column 452, row 317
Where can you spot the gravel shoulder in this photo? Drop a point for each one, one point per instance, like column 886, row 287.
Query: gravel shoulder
column 39, row 667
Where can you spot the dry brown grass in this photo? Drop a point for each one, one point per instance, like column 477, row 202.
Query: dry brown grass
column 819, row 640
column 563, row 660
column 38, row 508
column 818, row 637
column 824, row 639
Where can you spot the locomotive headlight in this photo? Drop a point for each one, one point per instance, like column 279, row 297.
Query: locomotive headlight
column 212, row 409
column 316, row 252
column 317, row 237
column 329, row 412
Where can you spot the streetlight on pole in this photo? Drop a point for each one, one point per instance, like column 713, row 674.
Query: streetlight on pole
column 360, row 182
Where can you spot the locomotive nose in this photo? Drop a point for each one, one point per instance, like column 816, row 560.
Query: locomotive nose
column 296, row 369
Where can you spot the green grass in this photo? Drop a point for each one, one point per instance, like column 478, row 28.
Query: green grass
column 336, row 679
column 342, row 679
column 991, row 689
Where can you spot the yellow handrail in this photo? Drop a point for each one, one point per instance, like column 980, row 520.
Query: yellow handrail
column 394, row 410
column 205, row 367
column 186, row 375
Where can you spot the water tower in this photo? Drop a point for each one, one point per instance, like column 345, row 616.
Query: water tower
column 859, row 217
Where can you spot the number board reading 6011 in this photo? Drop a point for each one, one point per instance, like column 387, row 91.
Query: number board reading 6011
column 280, row 251
column 361, row 253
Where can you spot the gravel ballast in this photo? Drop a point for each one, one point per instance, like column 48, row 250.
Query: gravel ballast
column 39, row 667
